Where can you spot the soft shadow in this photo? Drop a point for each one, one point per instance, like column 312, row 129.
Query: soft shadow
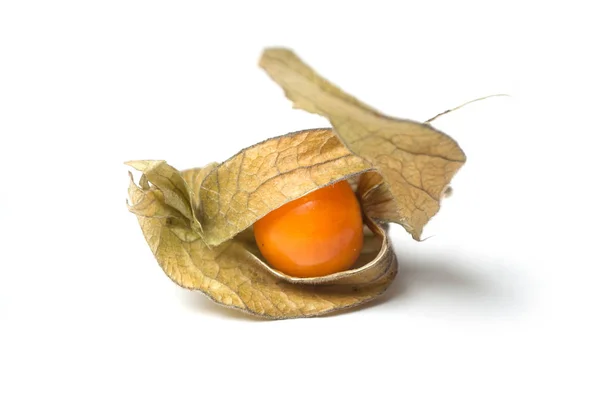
column 459, row 282
column 198, row 302
column 438, row 285
column 436, row 275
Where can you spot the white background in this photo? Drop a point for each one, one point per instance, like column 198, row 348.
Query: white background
column 502, row 301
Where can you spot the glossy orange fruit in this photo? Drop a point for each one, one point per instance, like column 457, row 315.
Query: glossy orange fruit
column 318, row 234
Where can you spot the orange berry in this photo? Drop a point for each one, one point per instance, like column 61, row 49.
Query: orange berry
column 318, row 234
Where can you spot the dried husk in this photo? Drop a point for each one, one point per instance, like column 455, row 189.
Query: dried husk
column 198, row 222
column 415, row 160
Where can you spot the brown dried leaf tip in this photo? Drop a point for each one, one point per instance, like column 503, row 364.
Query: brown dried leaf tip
column 198, row 222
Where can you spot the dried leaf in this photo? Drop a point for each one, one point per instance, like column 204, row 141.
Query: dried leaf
column 176, row 193
column 267, row 175
column 231, row 275
column 415, row 160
